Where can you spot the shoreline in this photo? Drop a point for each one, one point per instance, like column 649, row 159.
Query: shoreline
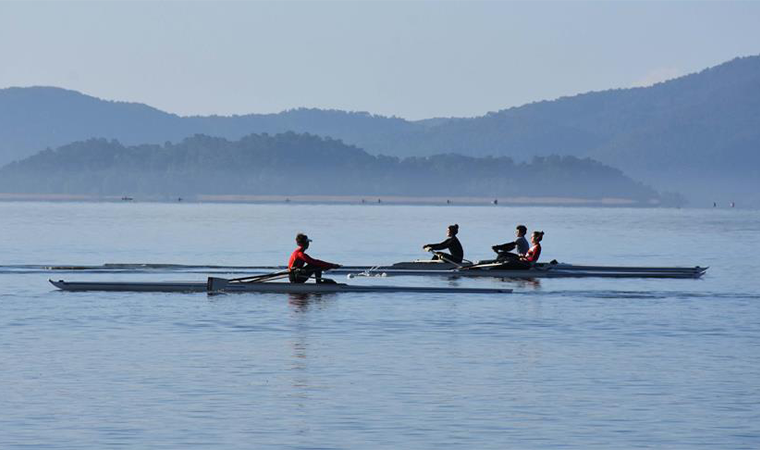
column 337, row 199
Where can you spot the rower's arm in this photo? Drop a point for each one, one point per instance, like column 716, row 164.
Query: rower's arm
column 439, row 246
column 318, row 262
column 509, row 246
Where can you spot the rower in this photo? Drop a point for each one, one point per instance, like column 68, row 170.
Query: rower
column 302, row 266
column 504, row 251
column 451, row 243
column 531, row 257
column 527, row 260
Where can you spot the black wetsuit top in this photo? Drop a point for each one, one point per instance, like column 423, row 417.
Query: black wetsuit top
column 453, row 245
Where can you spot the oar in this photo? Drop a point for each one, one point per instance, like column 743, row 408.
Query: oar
column 257, row 278
column 215, row 284
column 445, row 258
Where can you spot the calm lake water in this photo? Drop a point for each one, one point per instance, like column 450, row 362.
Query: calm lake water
column 571, row 364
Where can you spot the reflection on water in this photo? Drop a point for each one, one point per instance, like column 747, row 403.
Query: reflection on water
column 302, row 302
column 524, row 283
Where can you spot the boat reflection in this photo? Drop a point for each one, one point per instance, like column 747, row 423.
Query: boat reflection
column 303, row 302
column 525, row 283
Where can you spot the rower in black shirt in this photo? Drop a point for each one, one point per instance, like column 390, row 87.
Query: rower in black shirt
column 451, row 243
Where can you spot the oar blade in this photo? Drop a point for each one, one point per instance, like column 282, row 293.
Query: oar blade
column 215, row 284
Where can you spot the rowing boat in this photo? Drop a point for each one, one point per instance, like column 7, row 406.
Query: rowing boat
column 541, row 270
column 523, row 274
column 222, row 285
column 427, row 264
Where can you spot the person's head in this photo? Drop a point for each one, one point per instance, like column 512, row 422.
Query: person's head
column 453, row 230
column 302, row 240
column 536, row 237
column 521, row 230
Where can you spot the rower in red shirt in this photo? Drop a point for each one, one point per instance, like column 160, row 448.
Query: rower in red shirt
column 302, row 266
column 535, row 251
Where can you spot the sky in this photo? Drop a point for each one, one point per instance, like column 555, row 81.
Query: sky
column 411, row 59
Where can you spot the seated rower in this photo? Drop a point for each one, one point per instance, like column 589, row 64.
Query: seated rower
column 531, row 257
column 302, row 266
column 451, row 243
column 504, row 251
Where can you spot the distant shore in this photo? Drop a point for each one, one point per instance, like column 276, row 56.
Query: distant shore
column 336, row 199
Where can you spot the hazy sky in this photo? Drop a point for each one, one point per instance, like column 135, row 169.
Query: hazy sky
column 411, row 59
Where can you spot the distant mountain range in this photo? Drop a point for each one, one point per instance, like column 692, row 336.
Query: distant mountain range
column 303, row 164
column 698, row 134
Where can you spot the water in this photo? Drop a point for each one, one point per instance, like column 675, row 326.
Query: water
column 573, row 364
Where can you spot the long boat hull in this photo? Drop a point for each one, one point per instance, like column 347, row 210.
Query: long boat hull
column 524, row 274
column 436, row 265
column 288, row 288
column 544, row 270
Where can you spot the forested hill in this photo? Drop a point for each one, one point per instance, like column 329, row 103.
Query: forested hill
column 698, row 134
column 35, row 118
column 293, row 164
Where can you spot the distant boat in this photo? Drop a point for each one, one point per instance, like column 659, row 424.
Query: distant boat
column 127, row 199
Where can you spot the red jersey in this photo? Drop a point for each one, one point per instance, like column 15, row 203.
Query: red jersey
column 533, row 254
column 299, row 258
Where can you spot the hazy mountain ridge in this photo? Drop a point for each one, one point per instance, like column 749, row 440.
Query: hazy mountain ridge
column 304, row 164
column 698, row 134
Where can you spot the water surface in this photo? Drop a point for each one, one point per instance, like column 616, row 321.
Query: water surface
column 575, row 364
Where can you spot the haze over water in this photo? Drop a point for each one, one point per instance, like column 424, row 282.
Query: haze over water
column 573, row 363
